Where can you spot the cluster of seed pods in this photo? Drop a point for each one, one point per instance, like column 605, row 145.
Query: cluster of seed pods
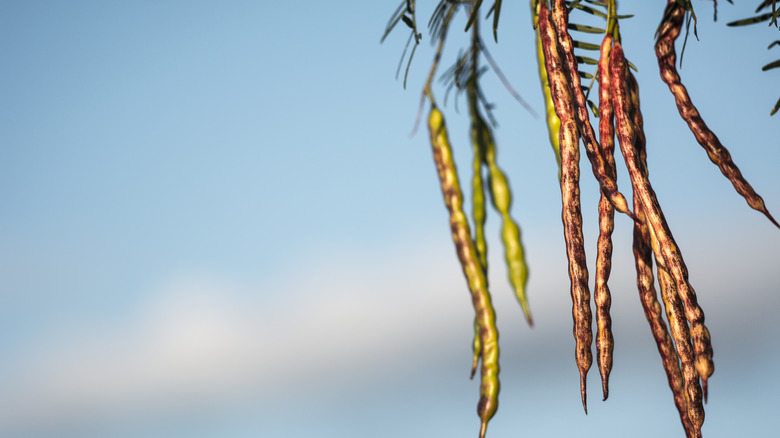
column 652, row 232
column 676, row 320
column 685, row 348
column 472, row 250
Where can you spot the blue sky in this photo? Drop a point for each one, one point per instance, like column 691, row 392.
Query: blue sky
column 214, row 223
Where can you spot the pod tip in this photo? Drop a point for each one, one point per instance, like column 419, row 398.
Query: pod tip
column 583, row 393
column 704, row 389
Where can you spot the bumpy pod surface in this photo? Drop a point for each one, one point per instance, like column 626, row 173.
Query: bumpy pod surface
column 514, row 254
column 472, row 269
column 605, row 342
column 668, row 255
column 570, row 197
column 665, row 52
column 569, row 64
column 643, row 257
column 652, row 308
column 501, row 196
column 675, row 314
column 478, row 205
column 476, row 347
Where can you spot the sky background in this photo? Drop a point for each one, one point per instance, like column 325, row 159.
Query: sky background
column 215, row 223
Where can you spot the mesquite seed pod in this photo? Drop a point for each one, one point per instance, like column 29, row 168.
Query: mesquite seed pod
column 570, row 197
column 664, row 50
column 667, row 254
column 514, row 254
column 652, row 308
column 472, row 269
column 605, row 343
column 569, row 65
column 478, row 209
column 643, row 257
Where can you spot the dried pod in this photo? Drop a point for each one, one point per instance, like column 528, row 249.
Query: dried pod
column 652, row 308
column 682, row 339
column 643, row 257
column 664, row 50
column 667, row 254
column 569, row 65
column 570, row 196
column 601, row 295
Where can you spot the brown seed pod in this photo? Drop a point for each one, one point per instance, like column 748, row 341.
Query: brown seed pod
column 664, row 50
column 675, row 314
column 670, row 253
column 649, row 299
column 667, row 254
column 570, row 196
column 607, row 182
column 636, row 117
column 643, row 258
column 601, row 296
column 472, row 269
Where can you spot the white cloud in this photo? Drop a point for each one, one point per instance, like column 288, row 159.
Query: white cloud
column 202, row 340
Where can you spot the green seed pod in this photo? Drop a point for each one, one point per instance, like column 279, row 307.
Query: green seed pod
column 478, row 210
column 485, row 150
column 553, row 122
column 476, row 347
column 501, row 196
column 472, row 269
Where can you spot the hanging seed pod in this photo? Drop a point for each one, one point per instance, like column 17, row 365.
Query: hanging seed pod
column 667, row 254
column 553, row 122
column 501, row 196
column 570, row 196
column 639, row 124
column 476, row 347
column 670, row 253
column 675, row 313
column 479, row 216
column 475, row 276
column 605, row 343
column 643, row 258
column 665, row 52
column 654, row 314
column 569, row 65
column 478, row 210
